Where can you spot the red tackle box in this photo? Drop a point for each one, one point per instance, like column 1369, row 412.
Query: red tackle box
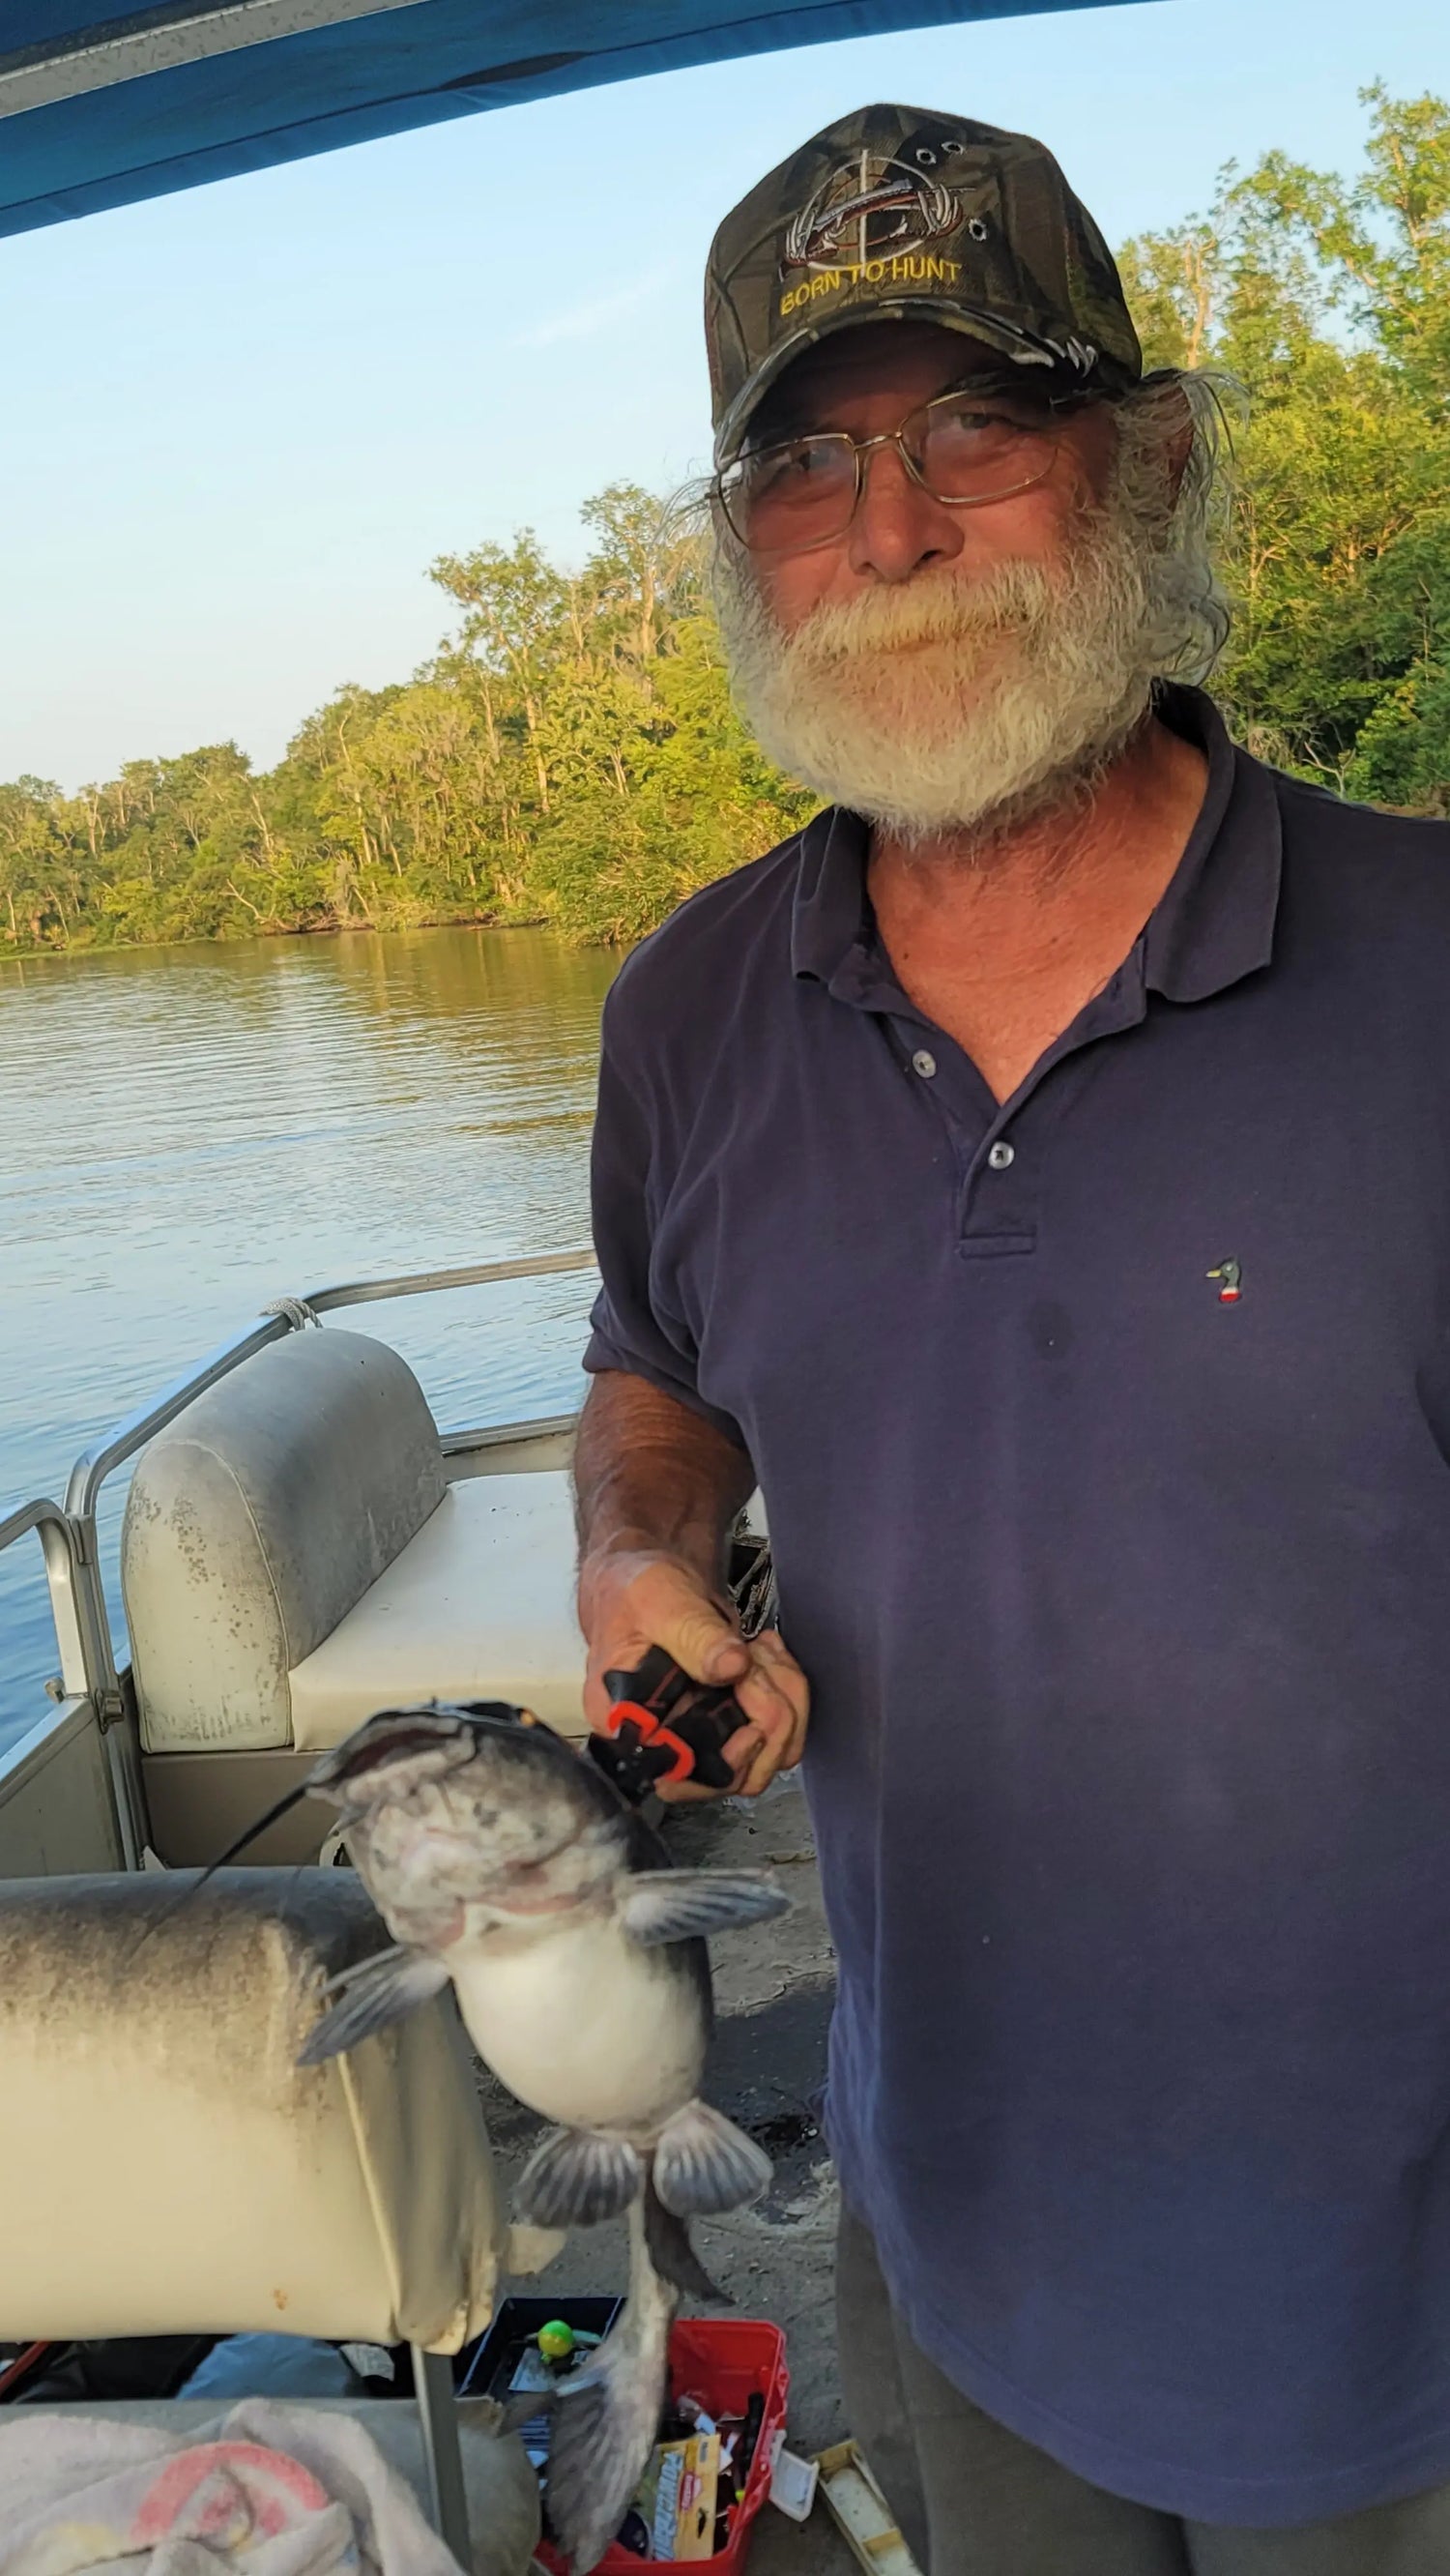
column 722, row 2361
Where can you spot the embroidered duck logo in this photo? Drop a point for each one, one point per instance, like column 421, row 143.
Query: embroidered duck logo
column 1229, row 1275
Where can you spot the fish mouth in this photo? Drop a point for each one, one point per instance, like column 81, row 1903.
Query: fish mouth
column 393, row 1735
column 435, row 1742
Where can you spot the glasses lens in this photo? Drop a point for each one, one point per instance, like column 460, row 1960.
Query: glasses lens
column 965, row 451
column 792, row 495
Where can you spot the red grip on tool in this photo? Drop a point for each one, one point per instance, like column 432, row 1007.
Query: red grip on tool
column 627, row 1712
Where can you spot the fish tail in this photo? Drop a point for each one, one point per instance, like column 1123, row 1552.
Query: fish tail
column 607, row 2419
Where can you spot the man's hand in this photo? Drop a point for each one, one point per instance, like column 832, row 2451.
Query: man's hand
column 657, row 1487
column 632, row 1599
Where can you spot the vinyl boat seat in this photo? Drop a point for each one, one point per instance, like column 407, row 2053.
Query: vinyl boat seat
column 479, row 1605
column 170, row 2168
column 294, row 1556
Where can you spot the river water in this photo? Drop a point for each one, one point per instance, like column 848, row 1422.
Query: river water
column 188, row 1133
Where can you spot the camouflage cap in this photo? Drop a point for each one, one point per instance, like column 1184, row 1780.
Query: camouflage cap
column 897, row 213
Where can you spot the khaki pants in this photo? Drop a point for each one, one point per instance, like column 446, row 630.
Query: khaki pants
column 972, row 2499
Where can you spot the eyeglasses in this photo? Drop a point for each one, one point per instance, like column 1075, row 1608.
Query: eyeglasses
column 803, row 492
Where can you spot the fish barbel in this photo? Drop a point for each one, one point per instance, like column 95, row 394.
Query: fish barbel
column 503, row 1863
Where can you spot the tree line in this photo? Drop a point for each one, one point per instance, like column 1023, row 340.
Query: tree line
column 571, row 755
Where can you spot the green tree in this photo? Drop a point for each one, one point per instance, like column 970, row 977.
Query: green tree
column 571, row 754
column 1329, row 302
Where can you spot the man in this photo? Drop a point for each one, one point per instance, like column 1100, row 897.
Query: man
column 1035, row 1174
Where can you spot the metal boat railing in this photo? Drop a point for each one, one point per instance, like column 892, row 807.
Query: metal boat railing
column 86, row 1653
column 58, row 1543
column 289, row 1315
column 69, row 1535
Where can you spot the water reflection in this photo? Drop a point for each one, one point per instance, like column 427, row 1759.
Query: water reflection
column 190, row 1132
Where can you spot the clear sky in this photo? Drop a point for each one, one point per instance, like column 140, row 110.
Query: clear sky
column 238, row 423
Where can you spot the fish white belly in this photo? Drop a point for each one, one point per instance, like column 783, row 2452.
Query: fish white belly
column 582, row 2024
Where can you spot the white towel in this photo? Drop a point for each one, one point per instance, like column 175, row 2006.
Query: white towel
column 268, row 2490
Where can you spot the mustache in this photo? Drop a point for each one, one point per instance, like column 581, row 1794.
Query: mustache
column 932, row 608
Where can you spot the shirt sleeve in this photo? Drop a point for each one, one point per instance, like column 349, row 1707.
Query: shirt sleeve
column 633, row 1326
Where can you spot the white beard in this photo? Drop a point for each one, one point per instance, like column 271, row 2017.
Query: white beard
column 949, row 703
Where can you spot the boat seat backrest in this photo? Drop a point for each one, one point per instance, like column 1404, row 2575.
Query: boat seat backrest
column 168, row 2166
column 257, row 1521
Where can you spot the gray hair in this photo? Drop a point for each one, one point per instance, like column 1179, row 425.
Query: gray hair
column 1193, row 616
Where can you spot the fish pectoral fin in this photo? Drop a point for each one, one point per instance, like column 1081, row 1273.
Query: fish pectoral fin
column 704, row 2165
column 576, row 2178
column 685, row 1904
column 667, row 2239
column 371, row 1995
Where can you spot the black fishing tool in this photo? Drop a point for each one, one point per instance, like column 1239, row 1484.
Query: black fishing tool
column 664, row 1726
column 749, row 2442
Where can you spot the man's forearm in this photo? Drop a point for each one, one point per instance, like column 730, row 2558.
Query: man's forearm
column 657, row 1490
column 651, row 1477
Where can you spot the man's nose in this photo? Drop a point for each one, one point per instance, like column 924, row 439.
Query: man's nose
column 898, row 527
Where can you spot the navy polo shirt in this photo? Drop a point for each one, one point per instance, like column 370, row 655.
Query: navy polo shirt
column 1105, row 1439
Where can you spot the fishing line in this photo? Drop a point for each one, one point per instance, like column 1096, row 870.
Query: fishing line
column 258, row 1826
column 490, row 1716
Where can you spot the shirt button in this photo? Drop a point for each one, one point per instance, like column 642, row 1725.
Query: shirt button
column 924, row 1063
column 1001, row 1156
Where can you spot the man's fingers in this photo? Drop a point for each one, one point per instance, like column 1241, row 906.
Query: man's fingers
column 775, row 1696
column 777, row 1693
column 675, row 1613
column 635, row 1602
column 767, row 1706
column 772, row 1741
column 740, row 1752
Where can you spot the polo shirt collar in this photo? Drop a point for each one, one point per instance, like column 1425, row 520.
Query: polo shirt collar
column 1213, row 924
column 830, row 916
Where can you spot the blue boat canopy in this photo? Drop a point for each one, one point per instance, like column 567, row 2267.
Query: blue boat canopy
column 100, row 110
